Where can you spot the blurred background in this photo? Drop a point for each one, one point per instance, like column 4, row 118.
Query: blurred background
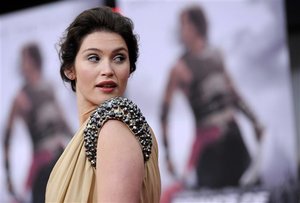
column 249, row 67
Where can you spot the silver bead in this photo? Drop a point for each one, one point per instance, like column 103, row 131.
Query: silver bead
column 119, row 108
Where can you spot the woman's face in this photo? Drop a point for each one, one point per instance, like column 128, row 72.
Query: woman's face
column 188, row 31
column 28, row 66
column 101, row 67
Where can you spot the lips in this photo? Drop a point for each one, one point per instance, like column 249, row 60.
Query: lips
column 107, row 86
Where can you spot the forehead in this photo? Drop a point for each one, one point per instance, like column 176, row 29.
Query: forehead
column 184, row 17
column 103, row 40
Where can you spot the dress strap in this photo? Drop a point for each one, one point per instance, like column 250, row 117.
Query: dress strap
column 122, row 109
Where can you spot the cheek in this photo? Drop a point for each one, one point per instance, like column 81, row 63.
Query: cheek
column 123, row 76
column 85, row 77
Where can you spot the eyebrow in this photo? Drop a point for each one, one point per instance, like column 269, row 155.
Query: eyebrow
column 99, row 50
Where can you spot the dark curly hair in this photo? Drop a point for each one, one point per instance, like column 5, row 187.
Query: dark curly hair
column 87, row 22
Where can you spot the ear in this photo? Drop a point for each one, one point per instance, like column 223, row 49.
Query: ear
column 70, row 73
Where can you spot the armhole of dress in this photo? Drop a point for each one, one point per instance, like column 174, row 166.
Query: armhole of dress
column 121, row 109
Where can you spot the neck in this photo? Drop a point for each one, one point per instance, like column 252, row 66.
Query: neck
column 34, row 79
column 84, row 109
column 197, row 46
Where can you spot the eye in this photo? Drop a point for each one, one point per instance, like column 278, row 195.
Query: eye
column 93, row 58
column 119, row 58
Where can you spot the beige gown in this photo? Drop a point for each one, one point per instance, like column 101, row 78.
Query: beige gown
column 73, row 178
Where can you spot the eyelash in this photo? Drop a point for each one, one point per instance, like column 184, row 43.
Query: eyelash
column 119, row 58
column 93, row 58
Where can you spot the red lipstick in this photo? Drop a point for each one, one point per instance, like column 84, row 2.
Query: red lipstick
column 107, row 86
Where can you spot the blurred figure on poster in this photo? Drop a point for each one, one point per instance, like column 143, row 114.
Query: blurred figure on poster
column 35, row 104
column 219, row 156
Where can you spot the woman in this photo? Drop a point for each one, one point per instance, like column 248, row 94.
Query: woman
column 107, row 160
column 35, row 104
column 218, row 156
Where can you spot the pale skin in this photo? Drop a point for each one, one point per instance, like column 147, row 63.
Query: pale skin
column 101, row 71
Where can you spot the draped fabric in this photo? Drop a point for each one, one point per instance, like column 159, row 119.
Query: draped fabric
column 73, row 179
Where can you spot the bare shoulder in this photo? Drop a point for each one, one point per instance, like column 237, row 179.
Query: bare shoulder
column 115, row 135
column 179, row 67
column 181, row 71
column 120, row 164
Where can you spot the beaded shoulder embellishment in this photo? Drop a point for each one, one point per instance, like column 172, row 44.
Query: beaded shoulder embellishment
column 122, row 109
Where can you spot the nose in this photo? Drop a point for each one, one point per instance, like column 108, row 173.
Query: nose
column 106, row 69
